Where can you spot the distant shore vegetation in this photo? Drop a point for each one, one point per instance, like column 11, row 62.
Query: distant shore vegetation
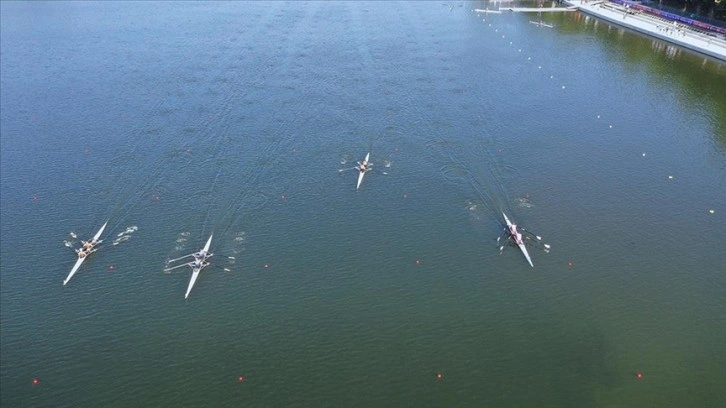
column 712, row 9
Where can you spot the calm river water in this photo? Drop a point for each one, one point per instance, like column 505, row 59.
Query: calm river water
column 178, row 120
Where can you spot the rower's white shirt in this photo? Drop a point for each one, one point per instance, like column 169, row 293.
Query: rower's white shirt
column 515, row 234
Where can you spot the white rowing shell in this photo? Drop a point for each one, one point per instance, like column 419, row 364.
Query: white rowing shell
column 195, row 271
column 80, row 260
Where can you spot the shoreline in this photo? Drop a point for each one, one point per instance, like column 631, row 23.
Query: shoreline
column 663, row 29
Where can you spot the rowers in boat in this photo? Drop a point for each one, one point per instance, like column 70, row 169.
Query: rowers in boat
column 199, row 263
column 362, row 168
column 516, row 236
column 87, row 248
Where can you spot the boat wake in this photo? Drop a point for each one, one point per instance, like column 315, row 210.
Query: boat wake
column 523, row 202
column 238, row 245
column 181, row 240
column 478, row 166
column 345, row 159
column 125, row 235
column 455, row 173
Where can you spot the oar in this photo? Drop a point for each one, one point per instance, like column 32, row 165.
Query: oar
column 350, row 168
column 501, row 248
column 539, row 240
column 504, row 232
column 527, row 231
column 178, row 266
column 172, row 272
column 177, row 259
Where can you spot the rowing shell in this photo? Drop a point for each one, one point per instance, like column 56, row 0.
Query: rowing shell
column 195, row 271
column 80, row 260
column 362, row 172
column 521, row 246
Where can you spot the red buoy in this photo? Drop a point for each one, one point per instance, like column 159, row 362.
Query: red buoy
column 638, row 376
column 36, row 381
column 570, row 263
column 439, row 376
column 241, row 378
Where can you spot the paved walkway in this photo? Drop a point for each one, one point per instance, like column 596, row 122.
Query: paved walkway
column 709, row 44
